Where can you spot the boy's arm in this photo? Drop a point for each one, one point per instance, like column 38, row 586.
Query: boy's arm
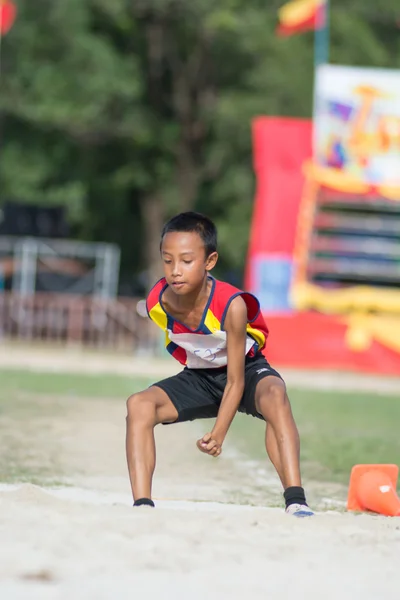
column 235, row 327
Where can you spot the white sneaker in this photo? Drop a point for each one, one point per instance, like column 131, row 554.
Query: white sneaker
column 299, row 510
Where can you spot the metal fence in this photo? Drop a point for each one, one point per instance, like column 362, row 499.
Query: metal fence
column 66, row 319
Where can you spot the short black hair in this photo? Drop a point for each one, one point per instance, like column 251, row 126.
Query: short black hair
column 194, row 221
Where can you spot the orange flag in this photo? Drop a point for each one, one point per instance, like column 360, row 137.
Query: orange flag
column 301, row 15
column 8, row 12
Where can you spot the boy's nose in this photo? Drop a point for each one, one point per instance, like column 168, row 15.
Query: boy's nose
column 176, row 271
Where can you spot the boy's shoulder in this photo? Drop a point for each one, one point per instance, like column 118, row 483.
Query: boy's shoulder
column 224, row 288
column 225, row 293
column 153, row 297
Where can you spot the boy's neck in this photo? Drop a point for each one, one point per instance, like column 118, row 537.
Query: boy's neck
column 197, row 298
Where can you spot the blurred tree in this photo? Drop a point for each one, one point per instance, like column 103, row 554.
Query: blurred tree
column 128, row 111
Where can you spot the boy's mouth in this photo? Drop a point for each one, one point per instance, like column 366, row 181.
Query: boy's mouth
column 178, row 284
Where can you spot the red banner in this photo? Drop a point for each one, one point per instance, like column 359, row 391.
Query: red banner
column 281, row 145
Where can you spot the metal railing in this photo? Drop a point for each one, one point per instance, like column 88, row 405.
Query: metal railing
column 66, row 319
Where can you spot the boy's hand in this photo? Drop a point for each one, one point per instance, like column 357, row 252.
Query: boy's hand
column 209, row 445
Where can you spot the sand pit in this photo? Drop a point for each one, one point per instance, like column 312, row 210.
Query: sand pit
column 88, row 548
column 84, row 541
column 211, row 535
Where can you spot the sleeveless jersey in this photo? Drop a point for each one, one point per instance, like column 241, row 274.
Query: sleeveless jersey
column 206, row 347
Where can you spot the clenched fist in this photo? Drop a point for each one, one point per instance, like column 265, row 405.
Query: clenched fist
column 209, row 446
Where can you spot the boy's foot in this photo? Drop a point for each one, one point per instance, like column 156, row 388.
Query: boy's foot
column 299, row 510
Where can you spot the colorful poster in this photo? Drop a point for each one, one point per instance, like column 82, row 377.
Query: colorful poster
column 357, row 130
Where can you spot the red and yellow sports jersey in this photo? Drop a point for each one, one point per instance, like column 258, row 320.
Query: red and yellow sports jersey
column 205, row 347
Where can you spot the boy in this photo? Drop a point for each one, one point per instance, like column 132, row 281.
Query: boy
column 217, row 332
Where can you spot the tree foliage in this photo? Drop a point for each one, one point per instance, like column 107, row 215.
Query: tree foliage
column 128, row 111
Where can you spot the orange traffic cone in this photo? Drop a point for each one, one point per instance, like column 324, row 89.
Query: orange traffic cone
column 373, row 488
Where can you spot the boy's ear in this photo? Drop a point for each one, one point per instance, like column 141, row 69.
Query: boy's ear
column 211, row 261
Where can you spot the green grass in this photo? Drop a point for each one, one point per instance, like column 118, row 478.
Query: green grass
column 24, row 420
column 103, row 386
column 30, row 403
column 338, row 430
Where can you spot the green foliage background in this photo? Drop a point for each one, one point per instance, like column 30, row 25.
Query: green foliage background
column 128, row 111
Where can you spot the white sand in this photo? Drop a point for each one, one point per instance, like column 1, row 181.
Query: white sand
column 56, row 548
column 84, row 541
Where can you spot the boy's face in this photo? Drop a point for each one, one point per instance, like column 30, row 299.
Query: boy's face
column 185, row 262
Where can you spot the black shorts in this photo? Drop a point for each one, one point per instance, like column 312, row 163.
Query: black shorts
column 197, row 393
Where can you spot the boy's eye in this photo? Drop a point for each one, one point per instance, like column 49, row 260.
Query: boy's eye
column 187, row 262
column 167, row 262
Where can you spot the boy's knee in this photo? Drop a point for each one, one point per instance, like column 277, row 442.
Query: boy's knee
column 272, row 397
column 140, row 407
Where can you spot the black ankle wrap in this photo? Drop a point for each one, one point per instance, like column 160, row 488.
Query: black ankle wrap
column 294, row 495
column 144, row 501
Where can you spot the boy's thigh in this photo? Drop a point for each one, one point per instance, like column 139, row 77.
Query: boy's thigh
column 191, row 395
column 256, row 370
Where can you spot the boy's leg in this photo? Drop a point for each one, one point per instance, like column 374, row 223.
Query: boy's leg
column 282, row 437
column 282, row 441
column 144, row 411
column 187, row 396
